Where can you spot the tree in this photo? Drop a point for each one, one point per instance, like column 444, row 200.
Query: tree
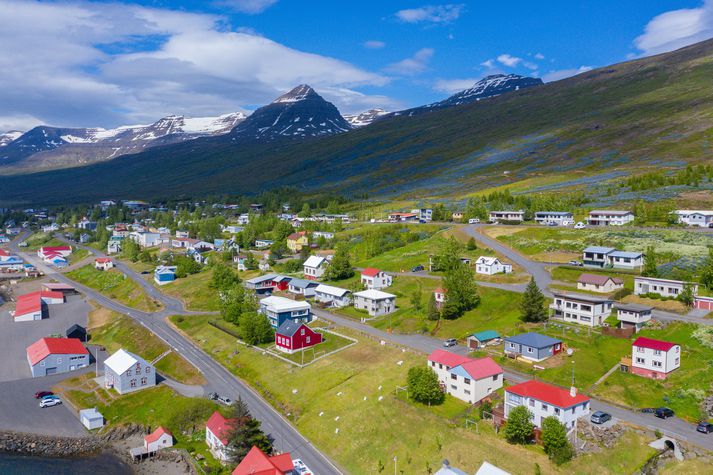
column 650, row 268
column 236, row 301
column 255, row 328
column 518, row 429
column 185, row 266
column 432, row 311
column 448, row 258
column 471, row 245
column 686, row 296
column 416, row 298
column 339, row 268
column 423, row 385
column 250, row 261
column 223, row 277
column 532, row 305
column 244, row 433
column 461, row 291
column 130, row 249
column 706, row 278
column 554, row 439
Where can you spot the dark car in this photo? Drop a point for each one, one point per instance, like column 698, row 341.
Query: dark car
column 663, row 412
column 417, row 269
column 705, row 427
column 41, row 394
column 145, row 272
column 600, row 417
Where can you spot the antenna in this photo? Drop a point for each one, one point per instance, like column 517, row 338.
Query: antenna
column 572, row 373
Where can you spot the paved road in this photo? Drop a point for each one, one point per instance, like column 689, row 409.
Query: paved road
column 220, row 380
column 673, row 427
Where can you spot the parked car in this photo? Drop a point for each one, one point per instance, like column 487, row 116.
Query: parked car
column 50, row 396
column 418, row 268
column 705, row 427
column 576, row 263
column 600, row 417
column 224, row 400
column 450, row 342
column 473, row 221
column 145, row 272
column 580, row 225
column 41, row 394
column 663, row 412
column 49, row 402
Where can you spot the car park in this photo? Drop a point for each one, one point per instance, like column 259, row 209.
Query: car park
column 49, row 402
column 600, row 417
column 450, row 342
column 704, row 427
column 663, row 412
column 41, row 394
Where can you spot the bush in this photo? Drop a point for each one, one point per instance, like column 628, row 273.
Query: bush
column 621, row 293
column 563, row 454
column 518, row 429
column 423, row 385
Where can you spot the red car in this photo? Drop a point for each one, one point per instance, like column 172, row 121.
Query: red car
column 41, row 394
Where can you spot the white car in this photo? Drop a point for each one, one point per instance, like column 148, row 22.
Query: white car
column 49, row 402
column 580, row 225
column 473, row 221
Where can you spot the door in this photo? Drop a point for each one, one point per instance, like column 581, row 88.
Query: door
column 51, row 371
column 72, row 367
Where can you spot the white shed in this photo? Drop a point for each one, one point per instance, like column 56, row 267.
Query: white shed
column 91, row 418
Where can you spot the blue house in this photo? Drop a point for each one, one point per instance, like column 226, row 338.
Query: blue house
column 278, row 310
column 164, row 274
column 532, row 346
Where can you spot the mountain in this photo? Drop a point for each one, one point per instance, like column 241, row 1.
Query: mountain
column 584, row 131
column 45, row 146
column 298, row 114
column 9, row 136
column 364, row 118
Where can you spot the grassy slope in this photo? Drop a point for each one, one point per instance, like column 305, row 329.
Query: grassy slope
column 115, row 285
column 655, row 110
column 195, row 292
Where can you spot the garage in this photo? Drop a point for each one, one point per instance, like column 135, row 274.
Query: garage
column 703, row 303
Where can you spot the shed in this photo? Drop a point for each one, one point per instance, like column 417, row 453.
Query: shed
column 77, row 331
column 91, row 418
column 479, row 339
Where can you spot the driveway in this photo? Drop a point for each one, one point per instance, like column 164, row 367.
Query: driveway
column 15, row 337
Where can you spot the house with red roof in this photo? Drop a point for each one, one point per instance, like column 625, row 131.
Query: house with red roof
column 654, row 359
column 257, row 462
column 48, row 253
column 158, row 439
column 103, row 263
column 49, row 356
column 599, row 283
column 32, row 306
column 296, row 241
column 375, row 279
column 470, row 380
column 439, row 295
column 217, row 430
column 544, row 400
column 403, row 218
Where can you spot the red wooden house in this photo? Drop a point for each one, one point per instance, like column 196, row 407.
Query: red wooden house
column 281, row 282
column 293, row 336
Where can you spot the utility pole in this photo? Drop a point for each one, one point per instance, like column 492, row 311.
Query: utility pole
column 395, row 466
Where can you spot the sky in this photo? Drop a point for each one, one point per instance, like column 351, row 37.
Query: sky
column 108, row 63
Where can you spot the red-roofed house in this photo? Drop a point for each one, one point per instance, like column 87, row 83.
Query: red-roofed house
column 296, row 241
column 654, row 359
column 544, row 400
column 468, row 379
column 256, row 462
column 217, row 429
column 30, row 306
column 48, row 253
column 599, row 283
column 375, row 279
column 103, row 263
column 158, row 439
column 440, row 296
column 49, row 356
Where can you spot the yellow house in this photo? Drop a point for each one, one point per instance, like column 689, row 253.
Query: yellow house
column 296, row 241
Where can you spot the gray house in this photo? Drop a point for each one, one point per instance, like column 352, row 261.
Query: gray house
column 532, row 346
column 127, row 372
column 49, row 356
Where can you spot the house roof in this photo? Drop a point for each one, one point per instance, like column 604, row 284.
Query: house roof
column 314, row 261
column 282, row 304
column 650, row 343
column 261, row 278
column 103, row 260
column 44, row 347
column 486, row 335
column 370, row 272
column 597, row 279
column 165, row 270
column 488, row 261
column 57, row 286
column 548, row 393
column 289, row 328
column 599, row 249
column 75, row 328
column 553, row 213
column 303, row 283
column 296, row 236
column 581, row 297
column 478, row 369
column 32, row 302
column 669, row 281
column 626, row 254
column 3, row 252
column 157, row 434
column 489, row 469
column 122, row 360
column 534, row 340
column 46, row 249
column 447, row 358
column 219, row 426
column 331, row 290
column 609, row 211
column 256, row 462
column 632, row 307
column 373, row 294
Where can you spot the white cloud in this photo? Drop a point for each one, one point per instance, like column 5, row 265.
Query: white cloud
column 431, row 13
column 416, row 64
column 677, row 28
column 108, row 64
column 508, row 60
column 451, row 86
column 374, row 44
column 530, row 66
column 564, row 73
column 250, row 7
column 539, row 56
column 490, row 64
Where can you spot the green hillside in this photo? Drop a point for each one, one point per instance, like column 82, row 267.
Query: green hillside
column 654, row 112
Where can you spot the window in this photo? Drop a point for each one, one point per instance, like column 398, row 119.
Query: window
column 308, row 339
column 657, row 352
column 454, row 377
column 148, row 369
column 544, row 407
column 467, row 392
column 133, row 383
column 640, row 360
column 59, row 359
column 657, row 364
column 529, row 350
column 144, row 380
column 495, row 377
column 640, row 349
column 677, row 360
column 466, row 381
column 440, row 366
column 128, row 372
column 557, row 411
column 453, row 387
column 532, row 402
column 302, row 332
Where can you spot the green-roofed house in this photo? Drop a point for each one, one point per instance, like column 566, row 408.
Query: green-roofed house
column 480, row 339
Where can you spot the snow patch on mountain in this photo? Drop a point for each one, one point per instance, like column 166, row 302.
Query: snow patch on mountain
column 365, row 118
column 9, row 136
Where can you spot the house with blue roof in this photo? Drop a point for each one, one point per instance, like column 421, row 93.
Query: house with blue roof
column 532, row 346
column 481, row 339
column 303, row 287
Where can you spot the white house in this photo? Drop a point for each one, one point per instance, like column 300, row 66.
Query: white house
column 157, row 440
column 496, row 216
column 599, row 283
column 375, row 302
column 314, row 267
column 690, row 217
column 243, row 219
column 632, row 315
column 609, row 218
column 600, row 257
column 103, row 263
column 217, row 430
column 423, row 214
column 491, row 265
column 663, row 287
column 654, row 359
column 560, row 218
column 279, row 309
column 333, row 296
column 470, row 380
column 91, row 418
column 145, row 238
column 127, row 372
column 544, row 400
column 375, row 279
column 582, row 309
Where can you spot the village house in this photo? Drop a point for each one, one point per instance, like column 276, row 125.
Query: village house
column 217, row 430
column 182, row 242
column 470, row 380
column 582, row 309
column 243, row 219
column 482, row 339
column 127, row 372
column 497, row 216
column 256, row 462
column 457, row 216
column 424, row 215
column 332, row 296
column 609, row 218
column 323, row 234
column 114, row 245
column 87, row 224
column 303, row 287
column 294, row 336
column 491, row 266
column 689, row 217
column 49, row 356
column 544, row 400
column 232, row 229
column 439, row 295
column 314, row 267
column 163, row 275
column 296, row 241
column 280, row 309
column 376, row 279
column 375, row 302
column 532, row 346
column 403, row 217
column 157, row 440
column 600, row 257
column 701, row 302
column 560, row 218
column 663, row 287
column 52, row 253
column 103, row 263
column 145, row 238
column 33, row 306
column 654, row 359
column 65, row 289
column 76, row 331
column 599, row 283
column 632, row 315
column 263, row 284
column 91, row 418
column 10, row 263
column 263, row 243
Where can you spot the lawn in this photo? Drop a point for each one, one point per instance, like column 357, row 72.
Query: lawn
column 371, row 432
column 331, row 342
column 571, row 274
column 39, row 239
column 115, row 331
column 115, row 285
column 195, row 291
column 77, row 255
column 667, row 305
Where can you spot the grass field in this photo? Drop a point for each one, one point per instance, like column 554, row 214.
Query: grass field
column 371, row 431
column 115, row 331
column 40, row 239
column 77, row 255
column 195, row 292
column 571, row 274
column 115, row 285
column 667, row 305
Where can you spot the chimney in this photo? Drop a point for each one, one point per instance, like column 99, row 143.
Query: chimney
column 572, row 391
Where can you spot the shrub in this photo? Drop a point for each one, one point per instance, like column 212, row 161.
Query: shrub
column 621, row 293
column 518, row 429
column 423, row 385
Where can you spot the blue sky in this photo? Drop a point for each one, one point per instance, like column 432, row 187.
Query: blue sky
column 108, row 63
